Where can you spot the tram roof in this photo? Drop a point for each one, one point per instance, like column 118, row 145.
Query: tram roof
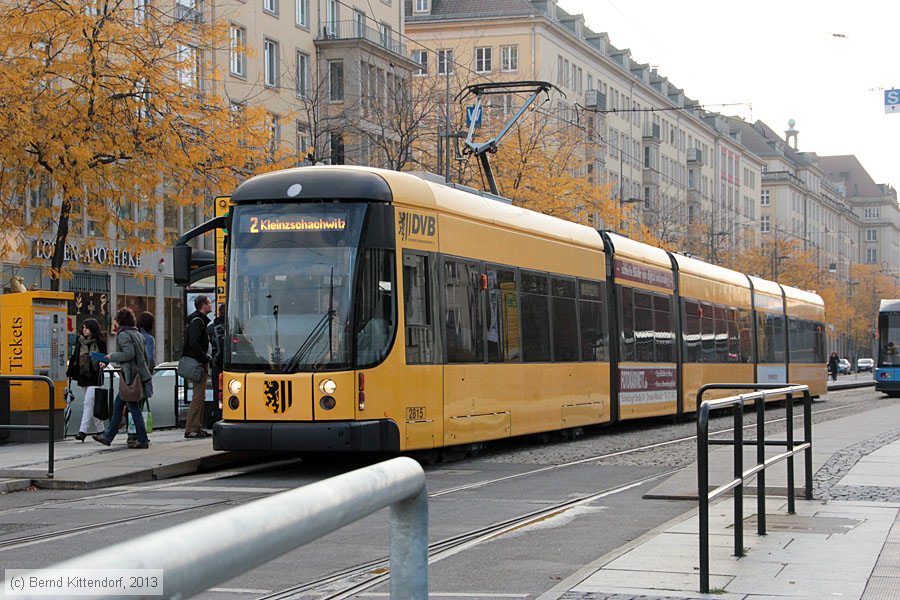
column 471, row 206
column 792, row 293
column 693, row 266
column 764, row 286
column 629, row 248
column 889, row 306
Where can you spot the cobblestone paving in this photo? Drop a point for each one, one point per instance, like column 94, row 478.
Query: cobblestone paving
column 825, row 482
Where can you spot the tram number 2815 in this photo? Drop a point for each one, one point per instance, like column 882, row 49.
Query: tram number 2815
column 415, row 413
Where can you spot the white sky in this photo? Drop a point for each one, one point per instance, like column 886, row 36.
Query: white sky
column 781, row 57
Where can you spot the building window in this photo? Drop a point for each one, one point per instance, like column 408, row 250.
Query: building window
column 302, row 74
column 332, row 18
column 871, row 235
column 337, row 148
column 274, row 124
column 303, row 146
column 238, row 57
column 140, row 11
column 871, row 255
column 421, row 57
column 386, row 35
column 188, row 69
column 765, row 198
column 871, row 213
column 336, row 80
column 302, row 13
column 421, row 6
column 270, row 6
column 509, row 58
column 270, row 55
column 483, row 60
column 359, row 18
column 764, row 224
column 445, row 62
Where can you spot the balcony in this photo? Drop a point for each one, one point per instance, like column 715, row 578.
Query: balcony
column 695, row 156
column 354, row 30
column 650, row 177
column 652, row 132
column 190, row 14
column 782, row 176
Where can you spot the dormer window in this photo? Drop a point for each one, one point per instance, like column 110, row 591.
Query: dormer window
column 422, row 6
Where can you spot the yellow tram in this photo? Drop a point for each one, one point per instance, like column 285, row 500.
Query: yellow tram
column 371, row 310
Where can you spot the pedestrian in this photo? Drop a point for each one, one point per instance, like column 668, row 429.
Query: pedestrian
column 88, row 374
column 145, row 323
column 132, row 359
column 833, row 365
column 196, row 345
column 216, row 333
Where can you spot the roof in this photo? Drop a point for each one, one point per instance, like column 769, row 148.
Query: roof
column 847, row 169
column 466, row 9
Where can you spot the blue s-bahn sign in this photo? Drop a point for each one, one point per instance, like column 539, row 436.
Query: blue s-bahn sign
column 891, row 101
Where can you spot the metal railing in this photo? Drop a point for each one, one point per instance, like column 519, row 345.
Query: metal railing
column 704, row 496
column 50, row 427
column 355, row 30
column 204, row 552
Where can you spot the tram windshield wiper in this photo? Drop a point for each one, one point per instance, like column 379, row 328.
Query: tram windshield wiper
column 321, row 328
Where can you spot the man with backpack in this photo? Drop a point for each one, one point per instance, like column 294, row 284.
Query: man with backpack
column 196, row 344
column 216, row 333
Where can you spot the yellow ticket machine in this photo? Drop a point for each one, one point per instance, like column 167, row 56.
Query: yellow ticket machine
column 33, row 332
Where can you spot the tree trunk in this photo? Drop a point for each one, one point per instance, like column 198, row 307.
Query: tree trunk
column 59, row 246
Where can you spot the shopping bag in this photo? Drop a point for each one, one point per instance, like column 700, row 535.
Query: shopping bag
column 148, row 421
column 101, row 404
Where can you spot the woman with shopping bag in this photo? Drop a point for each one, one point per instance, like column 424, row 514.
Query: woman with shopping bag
column 88, row 374
column 132, row 359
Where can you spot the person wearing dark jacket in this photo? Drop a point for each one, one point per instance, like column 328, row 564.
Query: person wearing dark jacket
column 87, row 373
column 216, row 333
column 833, row 365
column 196, row 345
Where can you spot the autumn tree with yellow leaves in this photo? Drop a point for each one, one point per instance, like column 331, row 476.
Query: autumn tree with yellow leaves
column 104, row 105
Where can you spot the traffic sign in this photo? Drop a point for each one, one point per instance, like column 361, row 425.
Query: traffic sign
column 470, row 112
column 891, row 101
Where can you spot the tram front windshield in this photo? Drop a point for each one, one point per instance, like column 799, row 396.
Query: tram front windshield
column 290, row 286
column 888, row 332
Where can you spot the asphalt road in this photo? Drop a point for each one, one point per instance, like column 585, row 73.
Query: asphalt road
column 519, row 564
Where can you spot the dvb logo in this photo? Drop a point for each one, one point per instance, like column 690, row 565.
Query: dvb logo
column 416, row 225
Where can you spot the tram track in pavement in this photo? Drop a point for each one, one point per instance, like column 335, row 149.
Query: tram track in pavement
column 22, row 541
column 360, row 578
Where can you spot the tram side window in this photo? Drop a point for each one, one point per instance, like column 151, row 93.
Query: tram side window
column 662, row 319
column 692, row 331
column 820, row 343
column 417, row 308
column 565, row 320
column 375, row 307
column 772, row 346
column 591, row 321
column 535, row 317
column 734, row 340
column 627, row 316
column 463, row 321
column 745, row 331
column 504, row 341
column 707, row 333
column 721, row 343
column 643, row 326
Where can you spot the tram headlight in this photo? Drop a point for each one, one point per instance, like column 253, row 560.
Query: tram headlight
column 234, row 386
column 234, row 403
column 327, row 402
column 327, row 386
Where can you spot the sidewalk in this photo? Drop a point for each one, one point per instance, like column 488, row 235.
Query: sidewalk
column 89, row 465
column 844, row 544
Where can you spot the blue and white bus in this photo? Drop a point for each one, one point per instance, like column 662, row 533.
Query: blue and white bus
column 887, row 369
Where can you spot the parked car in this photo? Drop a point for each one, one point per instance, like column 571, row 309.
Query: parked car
column 864, row 364
column 844, row 366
